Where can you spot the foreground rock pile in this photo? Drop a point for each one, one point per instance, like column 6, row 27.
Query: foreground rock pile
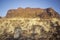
column 17, row 26
column 29, row 28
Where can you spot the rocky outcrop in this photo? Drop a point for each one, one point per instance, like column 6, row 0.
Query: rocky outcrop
column 0, row 17
column 30, row 24
column 32, row 12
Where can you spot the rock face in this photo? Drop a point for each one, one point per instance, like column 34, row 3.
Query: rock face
column 0, row 17
column 30, row 24
column 32, row 12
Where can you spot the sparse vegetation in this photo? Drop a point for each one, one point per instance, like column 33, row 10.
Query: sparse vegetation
column 29, row 30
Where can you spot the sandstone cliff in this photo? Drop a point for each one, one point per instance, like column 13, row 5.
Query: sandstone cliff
column 30, row 24
column 32, row 12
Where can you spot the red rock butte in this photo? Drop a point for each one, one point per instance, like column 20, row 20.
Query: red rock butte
column 32, row 13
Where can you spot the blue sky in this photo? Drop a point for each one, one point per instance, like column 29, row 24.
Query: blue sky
column 5, row 5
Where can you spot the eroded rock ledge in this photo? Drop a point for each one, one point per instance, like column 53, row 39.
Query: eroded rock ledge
column 32, row 13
